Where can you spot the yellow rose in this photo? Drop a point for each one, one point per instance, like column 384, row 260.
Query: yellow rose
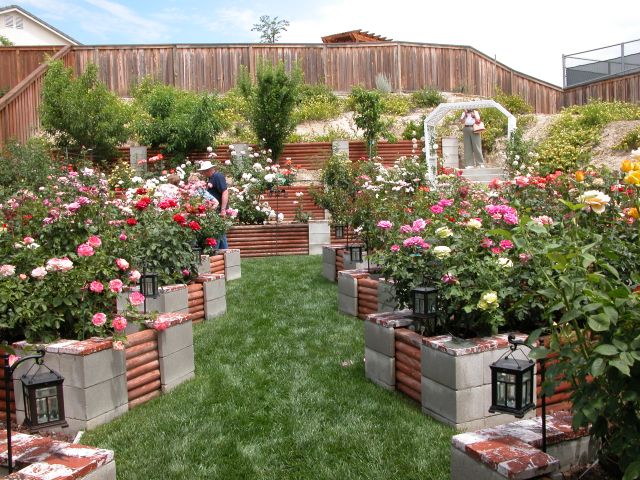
column 595, row 199
column 580, row 176
column 633, row 212
column 633, row 178
column 626, row 166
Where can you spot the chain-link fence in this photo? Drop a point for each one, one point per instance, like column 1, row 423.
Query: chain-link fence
column 610, row 61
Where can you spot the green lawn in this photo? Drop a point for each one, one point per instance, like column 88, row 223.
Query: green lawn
column 279, row 393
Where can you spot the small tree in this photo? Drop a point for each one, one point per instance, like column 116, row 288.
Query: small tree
column 82, row 112
column 270, row 28
column 368, row 107
column 272, row 101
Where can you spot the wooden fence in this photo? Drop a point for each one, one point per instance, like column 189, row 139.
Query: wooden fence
column 270, row 240
column 622, row 89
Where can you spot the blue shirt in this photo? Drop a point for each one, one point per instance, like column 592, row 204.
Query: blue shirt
column 217, row 185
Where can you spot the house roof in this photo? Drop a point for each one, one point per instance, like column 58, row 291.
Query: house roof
column 9, row 8
column 354, row 36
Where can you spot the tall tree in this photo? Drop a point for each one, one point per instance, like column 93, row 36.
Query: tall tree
column 270, row 28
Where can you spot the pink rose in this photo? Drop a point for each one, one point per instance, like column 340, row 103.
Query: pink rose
column 486, row 243
column 395, row 248
column 85, row 250
column 122, row 263
column 449, row 279
column 118, row 345
column 116, row 285
column 186, row 272
column 405, row 229
column 94, row 241
column 123, row 236
column 525, row 257
column 496, row 250
column 28, row 240
column 119, row 323
column 13, row 359
column 39, row 273
column 436, row 209
column 96, row 286
column 134, row 276
column 445, row 202
column 506, row 244
column 418, row 225
column 385, row 224
column 136, row 298
column 99, row 319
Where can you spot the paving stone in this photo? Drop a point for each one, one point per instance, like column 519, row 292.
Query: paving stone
column 380, row 368
column 176, row 365
column 175, row 338
column 463, row 467
column 379, row 338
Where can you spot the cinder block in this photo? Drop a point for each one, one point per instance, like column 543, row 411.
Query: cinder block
column 340, row 146
column 176, row 366
column 88, row 403
column 380, row 368
column 174, row 300
column 232, row 257
column 204, row 266
column 454, row 406
column 75, row 425
column 319, row 227
column 175, row 338
column 329, row 255
column 347, row 285
column 347, row 305
column 232, row 273
column 170, row 386
column 454, row 372
column 215, row 308
column 329, row 271
column 315, row 248
column 379, row 338
column 214, row 289
column 578, row 451
column 84, row 371
column 104, row 472
column 464, row 467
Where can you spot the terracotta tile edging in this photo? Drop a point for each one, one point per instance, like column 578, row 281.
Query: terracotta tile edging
column 167, row 320
column 71, row 347
column 457, row 348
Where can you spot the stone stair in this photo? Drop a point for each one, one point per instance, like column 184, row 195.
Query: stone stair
column 483, row 175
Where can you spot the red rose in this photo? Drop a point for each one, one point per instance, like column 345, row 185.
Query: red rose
column 193, row 225
column 141, row 191
column 179, row 218
column 131, row 221
column 211, row 242
column 201, row 208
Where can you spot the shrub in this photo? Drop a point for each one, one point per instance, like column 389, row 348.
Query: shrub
column 25, row 166
column 176, row 120
column 572, row 136
column 272, row 101
column 396, row 104
column 329, row 135
column 368, row 106
column 631, row 141
column 383, row 84
column 82, row 112
column 427, row 98
column 413, row 129
column 317, row 102
column 520, row 155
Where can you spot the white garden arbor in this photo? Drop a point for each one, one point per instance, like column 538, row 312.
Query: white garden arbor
column 441, row 111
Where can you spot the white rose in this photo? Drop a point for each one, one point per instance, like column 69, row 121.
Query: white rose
column 441, row 251
column 505, row 262
column 443, row 232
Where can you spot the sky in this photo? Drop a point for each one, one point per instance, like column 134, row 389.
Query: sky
column 530, row 37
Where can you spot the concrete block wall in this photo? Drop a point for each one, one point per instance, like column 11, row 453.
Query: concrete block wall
column 95, row 384
column 386, row 296
column 319, row 236
column 348, row 291
column 175, row 349
column 232, row 269
column 215, row 295
column 329, row 262
column 379, row 347
column 456, row 380
column 204, row 266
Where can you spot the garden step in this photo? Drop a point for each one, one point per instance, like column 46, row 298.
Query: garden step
column 483, row 175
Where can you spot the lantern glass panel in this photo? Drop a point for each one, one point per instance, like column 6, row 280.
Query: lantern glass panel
column 339, row 231
column 356, row 254
column 432, row 301
column 419, row 303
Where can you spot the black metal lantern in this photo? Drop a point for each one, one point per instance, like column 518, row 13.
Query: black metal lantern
column 43, row 400
column 339, row 231
column 425, row 302
column 512, row 380
column 355, row 252
column 149, row 284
